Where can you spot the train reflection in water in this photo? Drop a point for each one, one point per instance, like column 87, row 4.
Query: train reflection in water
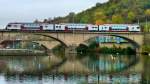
column 54, row 70
column 133, row 78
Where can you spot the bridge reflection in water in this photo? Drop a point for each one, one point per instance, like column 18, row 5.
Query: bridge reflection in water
column 56, row 70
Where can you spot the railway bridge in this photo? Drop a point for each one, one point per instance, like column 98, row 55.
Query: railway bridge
column 73, row 38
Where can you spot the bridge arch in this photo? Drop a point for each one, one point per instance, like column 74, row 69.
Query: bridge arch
column 63, row 43
column 134, row 43
column 23, row 36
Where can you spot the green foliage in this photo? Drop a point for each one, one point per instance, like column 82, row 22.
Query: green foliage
column 94, row 47
column 147, row 12
column 131, row 16
column 59, row 50
column 85, row 19
column 146, row 48
column 117, row 19
column 115, row 50
column 71, row 17
column 82, row 48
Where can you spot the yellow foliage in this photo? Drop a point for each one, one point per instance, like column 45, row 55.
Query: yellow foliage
column 98, row 22
column 147, row 12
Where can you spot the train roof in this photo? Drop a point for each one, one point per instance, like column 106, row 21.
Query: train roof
column 23, row 23
column 122, row 24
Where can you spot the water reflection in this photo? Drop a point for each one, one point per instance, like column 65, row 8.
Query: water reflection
column 92, row 69
column 27, row 64
column 110, row 63
column 74, row 79
column 103, row 63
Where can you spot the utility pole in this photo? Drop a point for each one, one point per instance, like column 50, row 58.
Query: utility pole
column 73, row 30
column 146, row 25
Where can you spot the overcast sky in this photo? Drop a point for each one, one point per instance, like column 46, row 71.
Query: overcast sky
column 29, row 10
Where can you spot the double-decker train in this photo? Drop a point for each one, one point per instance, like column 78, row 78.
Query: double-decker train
column 73, row 27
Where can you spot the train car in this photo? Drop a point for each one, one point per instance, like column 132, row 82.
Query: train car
column 104, row 28
column 13, row 26
column 76, row 27
column 48, row 27
column 31, row 27
column 59, row 27
column 118, row 27
column 134, row 28
column 92, row 28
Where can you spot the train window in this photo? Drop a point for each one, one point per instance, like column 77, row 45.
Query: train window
column 9, row 25
column 138, row 27
column 46, row 26
column 59, row 26
column 15, row 25
column 132, row 27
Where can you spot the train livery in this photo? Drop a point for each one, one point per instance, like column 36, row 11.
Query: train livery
column 73, row 27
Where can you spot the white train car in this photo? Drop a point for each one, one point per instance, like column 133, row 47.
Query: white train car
column 134, row 28
column 48, row 27
column 31, row 27
column 59, row 27
column 92, row 27
column 14, row 26
column 118, row 27
column 76, row 27
column 104, row 28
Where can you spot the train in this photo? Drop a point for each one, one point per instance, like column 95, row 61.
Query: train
column 68, row 27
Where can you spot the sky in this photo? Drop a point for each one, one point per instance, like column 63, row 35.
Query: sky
column 29, row 10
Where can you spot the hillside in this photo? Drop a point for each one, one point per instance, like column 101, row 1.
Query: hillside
column 114, row 11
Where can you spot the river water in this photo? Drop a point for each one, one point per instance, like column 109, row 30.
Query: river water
column 93, row 69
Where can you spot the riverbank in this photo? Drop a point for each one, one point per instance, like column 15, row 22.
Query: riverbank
column 21, row 52
column 96, row 48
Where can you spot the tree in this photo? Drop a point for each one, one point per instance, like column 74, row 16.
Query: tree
column 85, row 19
column 98, row 22
column 71, row 17
column 131, row 16
column 98, row 4
column 117, row 19
column 99, row 17
column 36, row 21
column 45, row 21
column 147, row 12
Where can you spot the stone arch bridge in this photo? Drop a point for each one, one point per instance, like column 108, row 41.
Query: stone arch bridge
column 76, row 38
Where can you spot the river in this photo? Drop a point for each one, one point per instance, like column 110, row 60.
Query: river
column 92, row 69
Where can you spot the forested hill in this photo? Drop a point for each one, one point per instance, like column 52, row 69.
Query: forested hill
column 114, row 11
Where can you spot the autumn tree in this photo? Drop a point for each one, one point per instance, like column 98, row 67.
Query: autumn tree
column 147, row 13
column 99, row 17
column 117, row 19
column 131, row 16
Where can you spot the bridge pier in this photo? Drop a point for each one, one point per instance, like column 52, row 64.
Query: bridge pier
column 71, row 49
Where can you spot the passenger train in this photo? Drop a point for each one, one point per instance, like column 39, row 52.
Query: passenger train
column 68, row 27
